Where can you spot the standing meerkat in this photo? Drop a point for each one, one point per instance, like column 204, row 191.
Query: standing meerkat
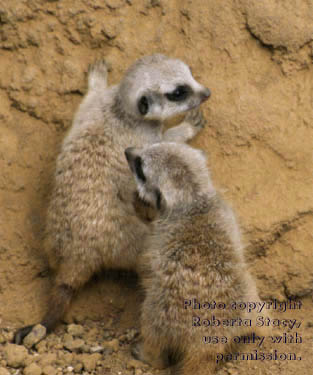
column 193, row 253
column 91, row 220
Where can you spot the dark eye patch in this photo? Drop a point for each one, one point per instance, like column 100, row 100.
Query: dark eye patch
column 158, row 196
column 138, row 169
column 179, row 94
column 143, row 105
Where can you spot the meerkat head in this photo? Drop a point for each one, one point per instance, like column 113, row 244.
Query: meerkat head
column 169, row 174
column 158, row 87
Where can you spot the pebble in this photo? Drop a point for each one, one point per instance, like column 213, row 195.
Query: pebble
column 113, row 344
column 41, row 347
column 74, row 345
column 67, row 358
column 16, row 355
column 2, row 339
column 96, row 349
column 232, row 371
column 32, row 369
column 4, row 371
column 78, row 368
column 89, row 361
column 133, row 363
column 49, row 370
column 48, row 359
column 36, row 335
column 75, row 330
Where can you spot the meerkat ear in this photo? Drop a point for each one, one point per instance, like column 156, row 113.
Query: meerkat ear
column 143, row 105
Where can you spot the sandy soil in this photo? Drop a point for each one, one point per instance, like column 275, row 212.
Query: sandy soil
column 255, row 56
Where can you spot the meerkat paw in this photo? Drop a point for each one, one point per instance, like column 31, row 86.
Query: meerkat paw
column 190, row 127
column 196, row 118
column 97, row 75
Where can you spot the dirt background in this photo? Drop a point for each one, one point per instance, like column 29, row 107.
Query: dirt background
column 255, row 56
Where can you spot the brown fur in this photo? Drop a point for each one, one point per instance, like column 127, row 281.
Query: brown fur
column 91, row 220
column 194, row 251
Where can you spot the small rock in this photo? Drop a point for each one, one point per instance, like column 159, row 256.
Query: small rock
column 85, row 348
column 133, row 363
column 48, row 359
column 32, row 369
column 78, row 368
column 2, row 339
column 131, row 334
column 138, row 371
column 41, row 347
column 108, row 334
column 96, row 349
column 113, row 344
column 89, row 361
column 15, row 355
column 67, row 337
column 74, row 345
column 36, row 335
column 8, row 336
column 232, row 371
column 75, row 330
column 4, row 371
column 93, row 333
column 49, row 370
column 67, row 358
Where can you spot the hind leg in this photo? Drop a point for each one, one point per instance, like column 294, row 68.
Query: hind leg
column 69, row 278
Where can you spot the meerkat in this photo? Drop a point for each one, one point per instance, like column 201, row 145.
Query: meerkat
column 193, row 253
column 91, row 219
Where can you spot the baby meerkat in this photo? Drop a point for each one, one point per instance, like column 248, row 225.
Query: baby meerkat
column 91, row 220
column 193, row 253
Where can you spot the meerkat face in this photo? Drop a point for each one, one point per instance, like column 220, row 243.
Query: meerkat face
column 169, row 174
column 157, row 88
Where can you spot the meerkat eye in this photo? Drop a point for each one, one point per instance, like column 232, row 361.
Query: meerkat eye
column 179, row 94
column 138, row 168
column 143, row 105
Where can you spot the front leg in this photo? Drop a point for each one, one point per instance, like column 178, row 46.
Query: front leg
column 192, row 124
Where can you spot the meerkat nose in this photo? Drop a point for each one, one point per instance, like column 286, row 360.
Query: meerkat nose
column 205, row 94
column 128, row 153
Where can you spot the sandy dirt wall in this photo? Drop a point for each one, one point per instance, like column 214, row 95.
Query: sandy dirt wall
column 255, row 56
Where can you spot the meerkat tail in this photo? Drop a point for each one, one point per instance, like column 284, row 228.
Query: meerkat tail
column 97, row 75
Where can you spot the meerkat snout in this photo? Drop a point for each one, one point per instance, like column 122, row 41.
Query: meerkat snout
column 205, row 94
